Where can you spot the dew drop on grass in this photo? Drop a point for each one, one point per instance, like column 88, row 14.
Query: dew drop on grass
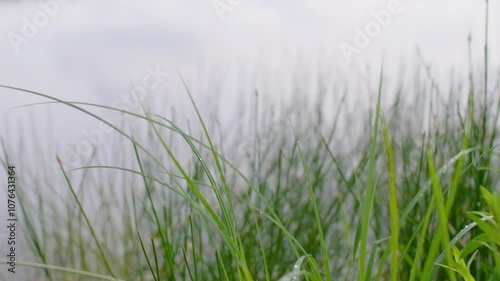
column 295, row 274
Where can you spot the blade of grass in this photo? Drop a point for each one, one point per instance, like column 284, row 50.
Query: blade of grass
column 370, row 190
column 165, row 242
column 147, row 258
column 442, row 229
column 64, row 269
column 326, row 263
column 92, row 232
column 393, row 203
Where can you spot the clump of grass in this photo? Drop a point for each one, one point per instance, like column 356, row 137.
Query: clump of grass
column 190, row 222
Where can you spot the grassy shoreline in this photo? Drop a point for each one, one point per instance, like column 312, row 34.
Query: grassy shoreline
column 383, row 212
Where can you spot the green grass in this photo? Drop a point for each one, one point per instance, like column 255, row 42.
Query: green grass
column 403, row 212
column 315, row 202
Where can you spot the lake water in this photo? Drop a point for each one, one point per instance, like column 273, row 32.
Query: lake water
column 94, row 52
column 90, row 51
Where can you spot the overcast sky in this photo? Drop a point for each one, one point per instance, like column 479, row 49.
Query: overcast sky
column 93, row 50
